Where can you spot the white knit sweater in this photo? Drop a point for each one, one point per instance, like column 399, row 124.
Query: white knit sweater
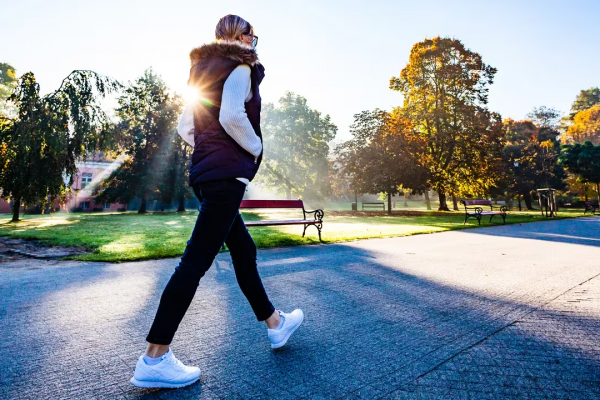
column 232, row 116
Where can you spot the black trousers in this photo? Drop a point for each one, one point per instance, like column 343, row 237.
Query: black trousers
column 219, row 221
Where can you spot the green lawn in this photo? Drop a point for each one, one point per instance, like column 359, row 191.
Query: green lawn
column 129, row 236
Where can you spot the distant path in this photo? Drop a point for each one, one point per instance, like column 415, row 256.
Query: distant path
column 492, row 313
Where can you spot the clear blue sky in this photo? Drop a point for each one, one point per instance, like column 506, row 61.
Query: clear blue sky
column 340, row 55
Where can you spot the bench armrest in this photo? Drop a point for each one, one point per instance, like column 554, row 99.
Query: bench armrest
column 318, row 214
column 501, row 208
column 477, row 210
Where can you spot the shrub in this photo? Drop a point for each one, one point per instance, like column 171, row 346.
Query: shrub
column 121, row 209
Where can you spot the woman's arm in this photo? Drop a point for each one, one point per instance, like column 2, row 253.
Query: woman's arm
column 233, row 116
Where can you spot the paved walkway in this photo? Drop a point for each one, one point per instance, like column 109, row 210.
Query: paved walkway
column 492, row 313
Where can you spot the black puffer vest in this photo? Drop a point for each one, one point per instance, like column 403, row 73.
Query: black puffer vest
column 216, row 155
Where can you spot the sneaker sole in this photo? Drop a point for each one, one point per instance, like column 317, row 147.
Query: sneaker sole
column 285, row 339
column 146, row 384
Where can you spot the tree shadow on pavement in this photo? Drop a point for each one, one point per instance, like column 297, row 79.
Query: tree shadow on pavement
column 375, row 327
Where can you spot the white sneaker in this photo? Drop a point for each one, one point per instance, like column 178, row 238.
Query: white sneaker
column 290, row 322
column 168, row 373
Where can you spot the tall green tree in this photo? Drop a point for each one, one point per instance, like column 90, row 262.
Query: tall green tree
column 174, row 182
column 583, row 160
column 146, row 132
column 296, row 148
column 445, row 88
column 39, row 147
column 384, row 155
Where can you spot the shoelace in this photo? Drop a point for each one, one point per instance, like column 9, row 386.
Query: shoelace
column 175, row 361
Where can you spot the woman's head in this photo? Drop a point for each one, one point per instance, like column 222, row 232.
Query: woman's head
column 232, row 27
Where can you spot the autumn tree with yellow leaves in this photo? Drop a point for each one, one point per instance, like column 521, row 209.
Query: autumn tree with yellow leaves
column 585, row 126
column 445, row 88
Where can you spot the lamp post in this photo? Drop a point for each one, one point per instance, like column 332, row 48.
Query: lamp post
column 516, row 165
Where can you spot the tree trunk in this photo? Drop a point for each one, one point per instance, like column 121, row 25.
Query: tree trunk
column 443, row 206
column 181, row 207
column 405, row 200
column 585, row 191
column 162, row 206
column 454, row 202
column 142, row 209
column 598, row 191
column 427, row 201
column 16, row 209
column 519, row 200
column 527, row 199
column 389, row 198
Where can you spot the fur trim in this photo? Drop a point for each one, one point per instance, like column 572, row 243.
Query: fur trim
column 233, row 50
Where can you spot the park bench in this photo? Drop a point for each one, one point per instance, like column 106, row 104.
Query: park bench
column 373, row 205
column 589, row 206
column 317, row 220
column 473, row 210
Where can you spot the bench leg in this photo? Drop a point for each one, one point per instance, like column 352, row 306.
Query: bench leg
column 491, row 216
column 479, row 220
column 504, row 219
column 318, row 226
column 466, row 216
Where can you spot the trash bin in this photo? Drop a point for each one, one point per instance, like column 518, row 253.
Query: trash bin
column 354, row 207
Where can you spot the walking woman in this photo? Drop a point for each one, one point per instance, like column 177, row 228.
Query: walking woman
column 227, row 141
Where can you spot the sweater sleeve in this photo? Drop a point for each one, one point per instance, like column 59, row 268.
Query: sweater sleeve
column 233, row 116
column 185, row 128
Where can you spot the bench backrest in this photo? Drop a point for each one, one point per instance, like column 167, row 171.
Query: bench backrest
column 272, row 204
column 477, row 202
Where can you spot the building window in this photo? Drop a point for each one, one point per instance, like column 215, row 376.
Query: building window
column 85, row 205
column 106, row 206
column 86, row 179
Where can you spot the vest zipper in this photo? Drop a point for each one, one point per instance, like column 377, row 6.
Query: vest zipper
column 255, row 160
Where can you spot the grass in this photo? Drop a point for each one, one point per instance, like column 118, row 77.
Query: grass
column 129, row 236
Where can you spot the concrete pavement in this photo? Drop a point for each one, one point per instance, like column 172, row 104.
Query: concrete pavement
column 491, row 313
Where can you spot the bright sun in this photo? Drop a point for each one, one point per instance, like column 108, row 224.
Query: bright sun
column 190, row 94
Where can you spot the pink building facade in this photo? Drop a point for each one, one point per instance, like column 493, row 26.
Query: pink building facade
column 91, row 174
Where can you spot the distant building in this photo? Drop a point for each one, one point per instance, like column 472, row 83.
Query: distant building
column 91, row 174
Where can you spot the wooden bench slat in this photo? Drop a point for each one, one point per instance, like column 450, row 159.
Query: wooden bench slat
column 271, row 204
column 282, row 222
column 477, row 202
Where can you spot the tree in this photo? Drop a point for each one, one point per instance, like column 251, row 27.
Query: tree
column 530, row 160
column 582, row 160
column 544, row 117
column 49, row 134
column 445, row 89
column 146, row 132
column 585, row 126
column 585, row 99
column 296, row 148
column 173, row 185
column 384, row 155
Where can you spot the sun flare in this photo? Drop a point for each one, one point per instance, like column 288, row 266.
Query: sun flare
column 191, row 94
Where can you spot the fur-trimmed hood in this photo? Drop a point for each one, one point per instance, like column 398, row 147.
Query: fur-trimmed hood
column 222, row 48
